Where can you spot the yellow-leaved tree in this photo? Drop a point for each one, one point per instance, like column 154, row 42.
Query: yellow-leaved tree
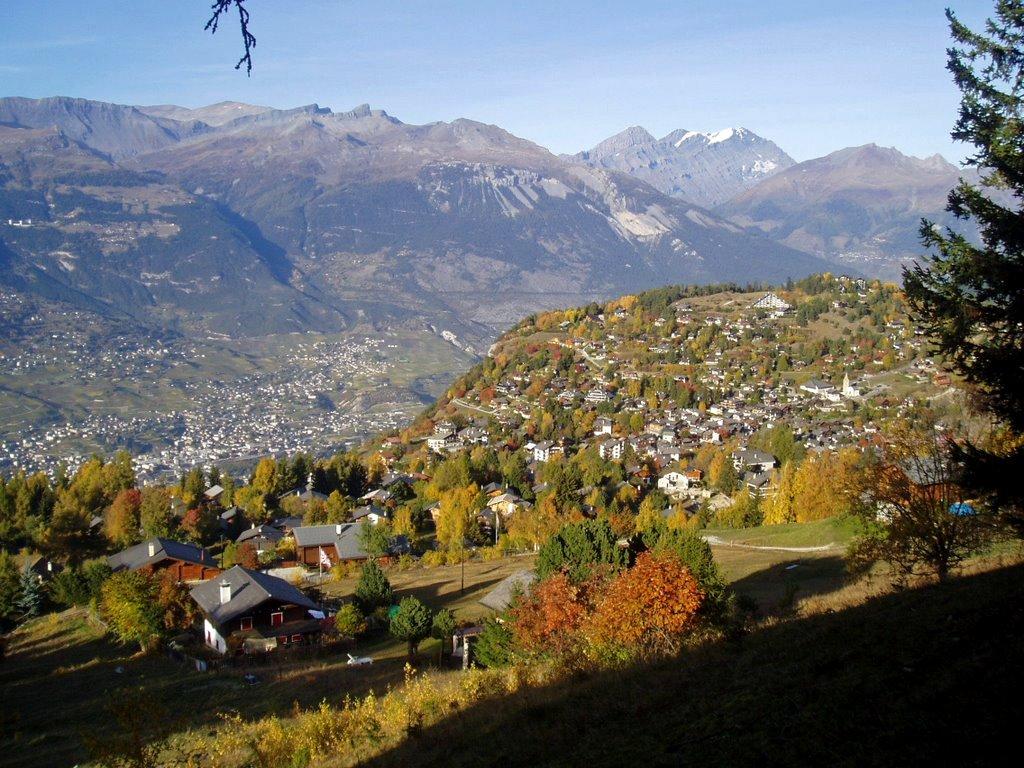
column 453, row 521
column 780, row 508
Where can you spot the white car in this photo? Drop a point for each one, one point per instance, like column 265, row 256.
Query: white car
column 358, row 661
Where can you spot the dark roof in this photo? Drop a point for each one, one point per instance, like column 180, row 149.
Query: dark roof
column 249, row 590
column 370, row 509
column 272, row 534
column 754, row 456
column 286, row 523
column 930, row 470
column 392, row 478
column 139, row 555
column 305, row 493
column 343, row 536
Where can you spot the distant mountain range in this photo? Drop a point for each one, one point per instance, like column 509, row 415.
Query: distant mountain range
column 704, row 168
column 860, row 207
column 244, row 220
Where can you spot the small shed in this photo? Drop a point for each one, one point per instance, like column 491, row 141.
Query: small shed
column 499, row 598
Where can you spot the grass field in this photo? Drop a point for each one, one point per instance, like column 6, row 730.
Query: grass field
column 62, row 672
column 66, row 658
column 832, row 531
column 756, row 561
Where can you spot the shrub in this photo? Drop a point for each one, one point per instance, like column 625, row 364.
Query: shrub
column 443, row 627
column 547, row 620
column 647, row 609
column 349, row 621
column 286, row 548
column 344, row 570
column 494, row 645
column 434, row 558
column 129, row 605
column 695, row 553
column 96, row 572
column 69, row 587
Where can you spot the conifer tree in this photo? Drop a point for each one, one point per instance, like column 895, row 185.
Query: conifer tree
column 411, row 623
column 10, row 584
column 969, row 297
column 373, row 590
column 30, row 597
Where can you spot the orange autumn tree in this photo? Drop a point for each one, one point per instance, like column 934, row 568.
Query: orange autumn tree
column 648, row 608
column 644, row 611
column 548, row 619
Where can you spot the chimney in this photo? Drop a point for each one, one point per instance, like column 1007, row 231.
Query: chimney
column 337, row 528
column 152, row 548
column 225, row 592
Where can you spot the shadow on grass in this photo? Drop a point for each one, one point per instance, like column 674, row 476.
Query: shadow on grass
column 441, row 593
column 776, row 588
column 930, row 676
column 56, row 691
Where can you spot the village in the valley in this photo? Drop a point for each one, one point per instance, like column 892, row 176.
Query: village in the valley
column 175, row 403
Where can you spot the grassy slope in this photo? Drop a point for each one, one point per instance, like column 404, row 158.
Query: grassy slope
column 439, row 588
column 63, row 657
column 930, row 676
column 835, row 531
column 60, row 678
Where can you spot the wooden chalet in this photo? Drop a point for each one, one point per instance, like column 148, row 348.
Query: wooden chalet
column 186, row 561
column 328, row 545
column 262, row 612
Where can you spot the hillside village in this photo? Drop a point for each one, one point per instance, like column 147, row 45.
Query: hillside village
column 655, row 380
column 265, row 502
column 636, row 426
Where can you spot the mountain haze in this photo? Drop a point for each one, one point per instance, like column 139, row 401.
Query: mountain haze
column 328, row 219
column 860, row 206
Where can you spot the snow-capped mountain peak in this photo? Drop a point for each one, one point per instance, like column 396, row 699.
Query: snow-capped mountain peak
column 704, row 168
column 723, row 135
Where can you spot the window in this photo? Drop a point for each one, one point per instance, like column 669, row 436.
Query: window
column 296, row 638
column 282, row 640
column 277, row 619
column 245, row 623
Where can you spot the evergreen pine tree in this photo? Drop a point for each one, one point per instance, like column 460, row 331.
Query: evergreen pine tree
column 411, row 623
column 970, row 297
column 373, row 590
column 30, row 597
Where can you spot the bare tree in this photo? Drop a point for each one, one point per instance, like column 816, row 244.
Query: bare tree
column 917, row 515
column 224, row 8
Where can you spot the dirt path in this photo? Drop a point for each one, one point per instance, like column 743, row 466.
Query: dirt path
column 717, row 542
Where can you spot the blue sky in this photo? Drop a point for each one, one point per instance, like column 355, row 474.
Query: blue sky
column 813, row 76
